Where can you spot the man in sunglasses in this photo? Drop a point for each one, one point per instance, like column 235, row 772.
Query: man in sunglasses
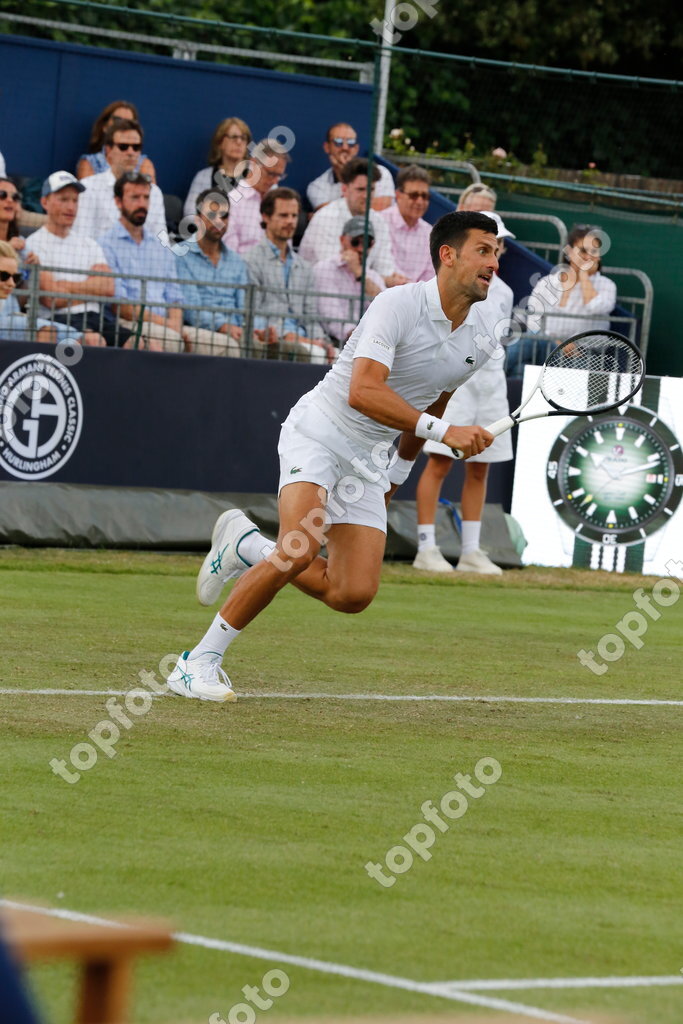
column 339, row 281
column 341, row 145
column 408, row 229
column 210, row 275
column 267, row 170
column 97, row 211
column 14, row 325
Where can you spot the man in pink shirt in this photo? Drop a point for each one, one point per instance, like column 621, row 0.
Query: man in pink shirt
column 267, row 166
column 408, row 230
column 341, row 276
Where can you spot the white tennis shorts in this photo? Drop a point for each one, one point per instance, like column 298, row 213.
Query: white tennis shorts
column 313, row 449
column 482, row 399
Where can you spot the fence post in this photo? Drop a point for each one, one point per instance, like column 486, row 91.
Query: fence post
column 249, row 290
column 33, row 288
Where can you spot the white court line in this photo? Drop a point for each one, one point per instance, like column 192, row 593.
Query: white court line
column 325, row 967
column 521, row 984
column 389, row 697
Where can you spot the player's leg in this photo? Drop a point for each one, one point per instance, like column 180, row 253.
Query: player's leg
column 428, row 491
column 198, row 672
column 347, row 580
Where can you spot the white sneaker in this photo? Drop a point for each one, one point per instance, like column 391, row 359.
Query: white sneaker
column 478, row 561
column 223, row 562
column 431, row 560
column 200, row 678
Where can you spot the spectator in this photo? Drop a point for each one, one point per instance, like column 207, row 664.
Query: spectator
column 228, row 162
column 134, row 254
column 287, row 311
column 341, row 276
column 266, row 170
column 55, row 245
column 210, row 274
column 341, row 146
column 98, row 211
column 572, row 298
column 13, row 323
column 10, row 206
column 477, row 197
column 408, row 230
column 320, row 240
column 95, row 160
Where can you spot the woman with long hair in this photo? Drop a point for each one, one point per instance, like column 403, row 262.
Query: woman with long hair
column 94, row 161
column 228, row 155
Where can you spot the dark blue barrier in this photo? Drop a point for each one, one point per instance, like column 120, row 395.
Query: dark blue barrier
column 156, row 420
column 52, row 93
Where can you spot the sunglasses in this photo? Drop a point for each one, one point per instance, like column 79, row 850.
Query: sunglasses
column 17, row 278
column 14, row 196
column 358, row 241
column 424, row 196
column 344, row 142
column 237, row 138
column 125, row 146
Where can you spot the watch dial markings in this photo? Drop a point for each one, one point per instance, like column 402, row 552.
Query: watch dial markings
column 611, row 518
column 591, row 509
column 581, row 451
column 632, row 512
column 619, row 432
column 638, row 441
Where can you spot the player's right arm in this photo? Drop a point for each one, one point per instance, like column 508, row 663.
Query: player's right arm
column 370, row 395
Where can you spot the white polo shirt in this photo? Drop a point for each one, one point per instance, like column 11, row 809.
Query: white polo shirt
column 407, row 331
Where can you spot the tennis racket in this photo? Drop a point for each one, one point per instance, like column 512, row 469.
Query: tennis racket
column 587, row 374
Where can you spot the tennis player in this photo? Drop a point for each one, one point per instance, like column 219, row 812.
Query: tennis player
column 395, row 375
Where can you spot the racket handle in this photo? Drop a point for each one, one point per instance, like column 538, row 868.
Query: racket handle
column 499, row 427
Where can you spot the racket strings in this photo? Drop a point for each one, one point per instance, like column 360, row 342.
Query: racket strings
column 591, row 372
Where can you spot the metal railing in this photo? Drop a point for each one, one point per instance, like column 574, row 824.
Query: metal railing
column 262, row 310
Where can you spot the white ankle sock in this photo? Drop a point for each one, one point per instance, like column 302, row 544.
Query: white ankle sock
column 425, row 536
column 216, row 640
column 470, row 534
column 255, row 547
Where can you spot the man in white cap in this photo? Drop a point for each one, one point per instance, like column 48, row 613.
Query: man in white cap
column 74, row 260
column 482, row 399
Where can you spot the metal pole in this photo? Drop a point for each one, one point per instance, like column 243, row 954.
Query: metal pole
column 385, row 68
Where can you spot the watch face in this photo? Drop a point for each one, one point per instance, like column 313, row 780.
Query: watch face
column 616, row 478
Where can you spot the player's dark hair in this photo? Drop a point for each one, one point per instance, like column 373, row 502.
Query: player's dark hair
column 354, row 168
column 270, row 198
column 130, row 178
column 453, row 229
column 214, row 195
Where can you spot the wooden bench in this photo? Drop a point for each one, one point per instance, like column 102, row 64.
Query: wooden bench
column 105, row 951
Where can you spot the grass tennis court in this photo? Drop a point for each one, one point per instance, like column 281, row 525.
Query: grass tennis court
column 251, row 823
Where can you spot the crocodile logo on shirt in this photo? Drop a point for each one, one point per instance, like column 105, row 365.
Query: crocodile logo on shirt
column 469, row 360
column 294, row 469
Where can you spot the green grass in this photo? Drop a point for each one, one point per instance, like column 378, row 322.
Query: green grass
column 252, row 822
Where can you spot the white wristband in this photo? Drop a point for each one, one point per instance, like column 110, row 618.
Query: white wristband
column 431, row 428
column 399, row 471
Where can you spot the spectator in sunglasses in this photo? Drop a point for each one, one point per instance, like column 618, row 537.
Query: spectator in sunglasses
column 95, row 161
column 97, row 211
column 14, row 325
column 341, row 145
column 408, row 229
column 228, row 162
column 340, row 279
column 10, row 208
